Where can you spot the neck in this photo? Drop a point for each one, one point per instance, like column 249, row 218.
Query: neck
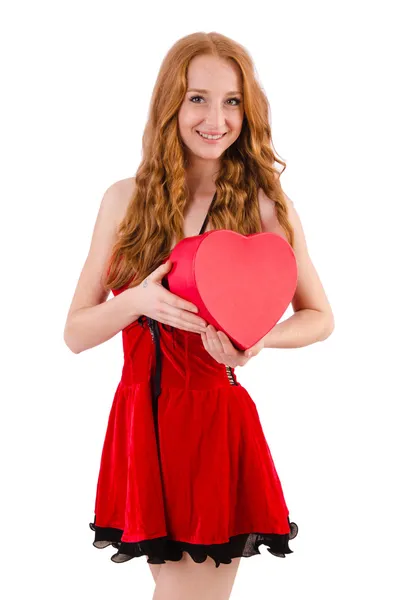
column 201, row 175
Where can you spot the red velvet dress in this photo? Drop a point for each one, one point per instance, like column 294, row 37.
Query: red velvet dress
column 185, row 465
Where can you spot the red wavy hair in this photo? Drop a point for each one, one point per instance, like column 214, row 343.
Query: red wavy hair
column 156, row 209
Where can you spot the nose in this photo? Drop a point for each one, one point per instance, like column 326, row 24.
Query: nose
column 215, row 118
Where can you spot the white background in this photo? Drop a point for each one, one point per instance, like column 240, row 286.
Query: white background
column 77, row 79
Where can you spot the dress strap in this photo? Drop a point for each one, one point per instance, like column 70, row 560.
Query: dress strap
column 204, row 225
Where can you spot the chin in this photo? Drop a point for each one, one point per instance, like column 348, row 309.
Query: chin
column 211, row 154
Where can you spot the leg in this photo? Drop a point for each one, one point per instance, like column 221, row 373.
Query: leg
column 155, row 569
column 185, row 579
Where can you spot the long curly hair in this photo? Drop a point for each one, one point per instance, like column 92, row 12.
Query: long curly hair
column 156, row 209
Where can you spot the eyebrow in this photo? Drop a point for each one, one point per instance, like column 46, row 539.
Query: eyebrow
column 206, row 91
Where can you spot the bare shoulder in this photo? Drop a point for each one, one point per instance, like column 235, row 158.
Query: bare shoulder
column 269, row 220
column 267, row 209
column 118, row 196
column 112, row 208
column 309, row 292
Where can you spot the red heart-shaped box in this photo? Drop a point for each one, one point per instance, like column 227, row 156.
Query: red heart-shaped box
column 241, row 284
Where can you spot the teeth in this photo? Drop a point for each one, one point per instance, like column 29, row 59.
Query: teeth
column 210, row 137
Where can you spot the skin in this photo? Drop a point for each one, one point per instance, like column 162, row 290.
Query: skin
column 219, row 111
column 312, row 320
column 215, row 110
column 187, row 580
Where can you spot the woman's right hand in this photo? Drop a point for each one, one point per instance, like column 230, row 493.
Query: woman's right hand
column 152, row 299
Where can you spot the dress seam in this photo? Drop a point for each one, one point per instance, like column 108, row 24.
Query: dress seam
column 170, row 387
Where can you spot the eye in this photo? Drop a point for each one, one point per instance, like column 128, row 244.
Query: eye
column 193, row 98
column 237, row 100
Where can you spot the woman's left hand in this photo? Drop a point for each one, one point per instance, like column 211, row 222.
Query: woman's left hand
column 219, row 346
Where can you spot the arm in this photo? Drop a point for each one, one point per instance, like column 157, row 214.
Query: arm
column 91, row 319
column 306, row 326
column 313, row 320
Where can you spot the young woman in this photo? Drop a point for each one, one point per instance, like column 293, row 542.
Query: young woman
column 186, row 476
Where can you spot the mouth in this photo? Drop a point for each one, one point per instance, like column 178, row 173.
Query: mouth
column 217, row 139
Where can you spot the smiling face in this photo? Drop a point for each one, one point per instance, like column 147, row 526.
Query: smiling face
column 213, row 105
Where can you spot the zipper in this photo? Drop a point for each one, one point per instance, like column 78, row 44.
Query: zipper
column 151, row 329
column 230, row 376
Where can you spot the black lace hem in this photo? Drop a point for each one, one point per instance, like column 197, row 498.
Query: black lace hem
column 158, row 550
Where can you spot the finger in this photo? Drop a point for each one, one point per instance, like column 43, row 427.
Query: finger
column 210, row 350
column 183, row 317
column 232, row 356
column 205, row 342
column 214, row 341
column 254, row 350
column 228, row 347
column 180, row 324
column 177, row 302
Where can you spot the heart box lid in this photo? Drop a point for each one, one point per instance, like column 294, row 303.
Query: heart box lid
column 241, row 284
